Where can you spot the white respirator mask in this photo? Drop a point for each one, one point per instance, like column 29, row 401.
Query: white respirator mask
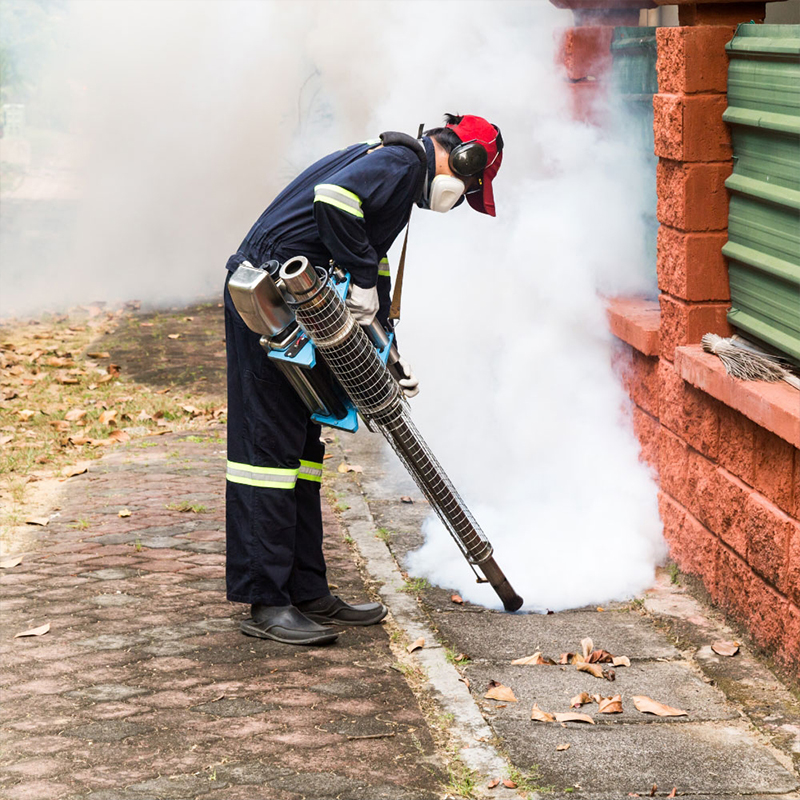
column 445, row 192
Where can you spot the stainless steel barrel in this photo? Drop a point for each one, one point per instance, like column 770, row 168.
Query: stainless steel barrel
column 355, row 362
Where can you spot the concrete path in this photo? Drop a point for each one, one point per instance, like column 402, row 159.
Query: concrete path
column 714, row 751
column 143, row 687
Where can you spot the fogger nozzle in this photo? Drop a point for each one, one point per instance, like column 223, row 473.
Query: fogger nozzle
column 299, row 277
column 354, row 361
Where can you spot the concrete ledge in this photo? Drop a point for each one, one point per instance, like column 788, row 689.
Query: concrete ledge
column 636, row 322
column 774, row 406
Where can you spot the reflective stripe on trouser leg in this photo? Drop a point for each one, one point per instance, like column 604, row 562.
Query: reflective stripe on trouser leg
column 265, row 477
column 310, row 471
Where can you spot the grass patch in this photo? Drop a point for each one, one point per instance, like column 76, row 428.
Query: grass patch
column 674, row 573
column 461, row 659
column 461, row 781
column 415, row 585
column 185, row 506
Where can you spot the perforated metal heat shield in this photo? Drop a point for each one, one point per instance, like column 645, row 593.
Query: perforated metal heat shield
column 355, row 362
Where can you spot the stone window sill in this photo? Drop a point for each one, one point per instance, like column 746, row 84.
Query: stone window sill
column 636, row 322
column 774, row 406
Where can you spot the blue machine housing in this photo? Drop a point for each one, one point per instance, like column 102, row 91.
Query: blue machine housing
column 305, row 357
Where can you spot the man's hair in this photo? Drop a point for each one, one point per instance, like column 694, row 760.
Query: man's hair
column 446, row 137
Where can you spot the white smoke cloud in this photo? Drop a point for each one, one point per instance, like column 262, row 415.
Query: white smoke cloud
column 192, row 114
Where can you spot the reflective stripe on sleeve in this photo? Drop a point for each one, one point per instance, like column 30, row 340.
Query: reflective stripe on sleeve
column 339, row 198
column 310, row 471
column 265, row 477
column 383, row 268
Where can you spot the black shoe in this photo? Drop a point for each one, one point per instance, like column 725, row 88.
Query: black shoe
column 331, row 610
column 285, row 624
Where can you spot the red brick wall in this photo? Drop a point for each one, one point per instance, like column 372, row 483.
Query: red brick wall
column 729, row 500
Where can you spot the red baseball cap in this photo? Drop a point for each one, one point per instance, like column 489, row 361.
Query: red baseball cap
column 477, row 129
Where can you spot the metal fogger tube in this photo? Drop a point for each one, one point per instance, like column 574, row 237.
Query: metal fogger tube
column 379, row 399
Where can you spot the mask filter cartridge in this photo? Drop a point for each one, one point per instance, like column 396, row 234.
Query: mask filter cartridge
column 445, row 192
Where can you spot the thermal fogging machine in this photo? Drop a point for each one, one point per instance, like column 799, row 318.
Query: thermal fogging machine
column 341, row 371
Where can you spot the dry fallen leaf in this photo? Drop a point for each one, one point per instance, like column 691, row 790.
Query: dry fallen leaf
column 649, row 706
column 621, row 661
column 492, row 783
column 419, row 644
column 673, row 793
column 113, row 370
column 592, row 669
column 587, row 645
column 600, row 657
column 344, row 467
column 536, row 658
column 11, row 561
column 509, row 784
column 653, row 790
column 99, row 355
column 580, row 699
column 25, row 414
column 405, row 499
column 107, row 417
column 37, row 521
column 143, row 416
column 610, row 705
column 75, row 414
column 573, row 716
column 40, row 631
column 566, row 658
column 76, row 469
column 119, row 436
column 456, row 598
column 562, row 747
column 124, row 512
column 497, row 691
column 541, row 716
column 723, row 648
column 173, row 336
column 5, row 439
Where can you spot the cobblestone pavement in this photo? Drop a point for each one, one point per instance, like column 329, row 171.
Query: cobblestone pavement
column 144, row 688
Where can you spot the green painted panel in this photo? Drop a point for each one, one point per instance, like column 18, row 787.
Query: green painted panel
column 763, row 246
column 633, row 52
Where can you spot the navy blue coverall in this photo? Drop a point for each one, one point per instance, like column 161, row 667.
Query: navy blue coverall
column 349, row 206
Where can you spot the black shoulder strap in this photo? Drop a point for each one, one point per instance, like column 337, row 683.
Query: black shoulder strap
column 390, row 138
column 399, row 139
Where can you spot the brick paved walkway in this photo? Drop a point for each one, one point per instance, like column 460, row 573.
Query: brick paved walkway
column 144, row 688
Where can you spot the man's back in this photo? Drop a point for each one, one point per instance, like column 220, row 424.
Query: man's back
column 349, row 206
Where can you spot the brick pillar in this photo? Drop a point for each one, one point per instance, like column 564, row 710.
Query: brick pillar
column 694, row 149
column 586, row 49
